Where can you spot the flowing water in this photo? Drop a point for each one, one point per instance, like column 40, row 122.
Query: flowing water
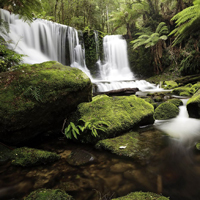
column 173, row 171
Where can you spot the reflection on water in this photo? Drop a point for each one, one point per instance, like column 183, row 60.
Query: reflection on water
column 173, row 171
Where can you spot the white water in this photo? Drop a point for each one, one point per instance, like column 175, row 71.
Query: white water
column 182, row 128
column 115, row 72
column 44, row 40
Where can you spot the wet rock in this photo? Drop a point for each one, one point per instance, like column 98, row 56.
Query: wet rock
column 120, row 113
column 142, row 196
column 4, row 153
column 141, row 147
column 166, row 110
column 48, row 194
column 121, row 167
column 80, row 157
column 193, row 105
column 176, row 102
column 37, row 98
column 68, row 186
column 30, row 157
column 140, row 177
column 169, row 85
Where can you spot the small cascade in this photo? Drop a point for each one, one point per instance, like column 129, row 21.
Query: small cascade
column 114, row 71
column 116, row 65
column 182, row 129
column 44, row 40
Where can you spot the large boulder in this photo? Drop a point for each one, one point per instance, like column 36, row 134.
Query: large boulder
column 120, row 113
column 37, row 98
column 193, row 105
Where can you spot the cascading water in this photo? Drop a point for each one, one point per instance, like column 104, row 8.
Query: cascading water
column 44, row 40
column 182, row 129
column 115, row 72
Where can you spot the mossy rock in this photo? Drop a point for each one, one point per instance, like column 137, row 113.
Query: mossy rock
column 176, row 102
column 183, row 91
column 30, row 157
column 169, row 85
column 37, row 98
column 198, row 146
column 120, row 113
column 139, row 147
column 142, row 196
column 165, row 111
column 44, row 194
column 193, row 105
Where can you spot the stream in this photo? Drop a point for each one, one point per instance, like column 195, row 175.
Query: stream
column 173, row 171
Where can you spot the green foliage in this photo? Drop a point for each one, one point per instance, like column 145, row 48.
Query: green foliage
column 8, row 58
column 187, row 21
column 24, row 8
column 150, row 39
column 34, row 92
column 73, row 130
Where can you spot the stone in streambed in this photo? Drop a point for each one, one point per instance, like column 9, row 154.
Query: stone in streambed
column 120, row 113
column 30, row 157
column 50, row 194
column 80, row 157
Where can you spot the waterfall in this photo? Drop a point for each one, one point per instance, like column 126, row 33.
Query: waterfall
column 114, row 71
column 44, row 40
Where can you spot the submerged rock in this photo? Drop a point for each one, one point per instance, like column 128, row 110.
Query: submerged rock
column 193, row 105
column 119, row 113
column 30, row 157
column 80, row 157
column 142, row 196
column 37, row 98
column 165, row 111
column 50, row 194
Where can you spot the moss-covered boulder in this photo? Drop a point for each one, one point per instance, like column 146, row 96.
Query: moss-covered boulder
column 139, row 147
column 166, row 110
column 37, row 98
column 44, row 194
column 193, row 105
column 142, row 196
column 25, row 156
column 184, row 91
column 120, row 113
column 176, row 102
column 169, row 85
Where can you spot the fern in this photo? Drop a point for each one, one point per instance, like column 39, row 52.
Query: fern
column 34, row 92
column 187, row 21
column 73, row 130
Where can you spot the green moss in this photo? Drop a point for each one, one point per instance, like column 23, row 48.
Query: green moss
column 30, row 157
column 170, row 84
column 166, row 110
column 140, row 147
column 176, row 102
column 198, row 146
column 142, row 196
column 183, row 91
column 44, row 194
column 122, row 113
column 193, row 105
column 36, row 96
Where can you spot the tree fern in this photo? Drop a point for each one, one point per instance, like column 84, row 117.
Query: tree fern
column 187, row 21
